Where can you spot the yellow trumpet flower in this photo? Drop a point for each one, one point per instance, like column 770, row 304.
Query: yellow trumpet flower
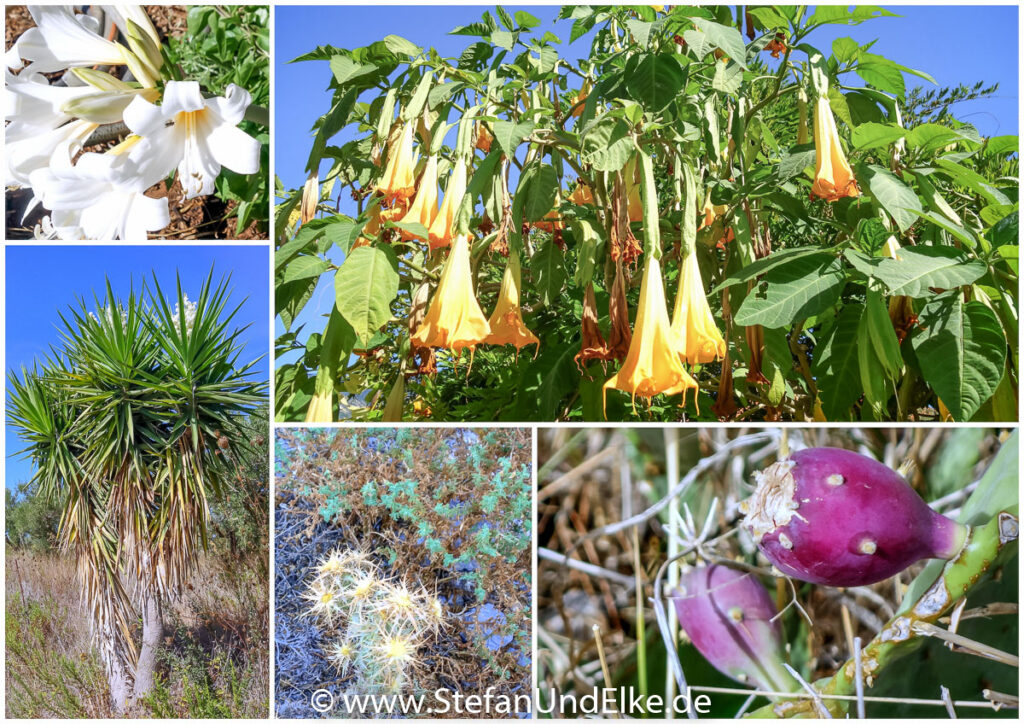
column 454, row 319
column 651, row 365
column 506, row 322
column 582, row 195
column 399, row 179
column 423, row 209
column 442, row 229
column 693, row 327
column 833, row 177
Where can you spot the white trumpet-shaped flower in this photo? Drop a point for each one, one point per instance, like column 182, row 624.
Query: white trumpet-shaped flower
column 196, row 135
column 99, row 197
column 61, row 40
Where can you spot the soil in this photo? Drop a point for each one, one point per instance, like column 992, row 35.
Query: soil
column 203, row 218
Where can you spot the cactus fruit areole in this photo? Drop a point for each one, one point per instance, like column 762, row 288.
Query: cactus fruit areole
column 728, row 616
column 839, row 518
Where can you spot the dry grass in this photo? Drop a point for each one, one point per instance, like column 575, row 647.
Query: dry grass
column 214, row 662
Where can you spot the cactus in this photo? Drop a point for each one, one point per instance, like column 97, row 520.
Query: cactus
column 731, row 620
column 978, row 555
column 378, row 628
column 835, row 517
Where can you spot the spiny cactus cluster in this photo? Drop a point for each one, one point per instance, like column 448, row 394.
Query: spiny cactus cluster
column 378, row 628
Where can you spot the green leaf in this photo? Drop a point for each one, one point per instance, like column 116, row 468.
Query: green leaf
column 654, row 79
column 883, row 76
column 400, row 46
column 509, row 135
column 640, row 30
column 346, row 70
column 845, row 49
column 728, row 78
column 894, row 196
column 972, row 180
column 546, row 381
column 526, row 20
column 760, row 266
column 794, row 161
column 835, row 364
column 547, row 269
column 800, row 288
column 920, row 268
column 538, row 187
column 503, row 39
column 768, row 17
column 607, row 145
column 961, row 351
column 365, row 286
column 955, row 229
column 875, row 135
column 725, row 37
column 304, row 267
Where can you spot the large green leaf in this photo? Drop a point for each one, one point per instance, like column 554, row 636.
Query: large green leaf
column 538, row 187
column 760, row 266
column 547, row 268
column 654, row 79
column 800, row 288
column 875, row 135
column 961, row 350
column 365, row 286
column 895, row 196
column 546, row 381
column 607, row 146
column 509, row 135
column 725, row 37
column 836, row 367
column 921, row 268
column 304, row 267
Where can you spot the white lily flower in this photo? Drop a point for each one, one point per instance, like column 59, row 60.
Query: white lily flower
column 62, row 39
column 30, row 152
column 100, row 197
column 196, row 135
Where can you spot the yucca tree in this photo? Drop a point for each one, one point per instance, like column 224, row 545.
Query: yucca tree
column 131, row 422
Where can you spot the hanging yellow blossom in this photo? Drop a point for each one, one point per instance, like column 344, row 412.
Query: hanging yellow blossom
column 506, row 322
column 651, row 366
column 698, row 339
column 442, row 229
column 399, row 178
column 454, row 319
column 582, row 195
column 423, row 208
column 580, row 98
column 833, row 177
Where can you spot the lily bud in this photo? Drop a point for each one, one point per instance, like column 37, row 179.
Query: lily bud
column 833, row 177
column 145, row 47
column 652, row 365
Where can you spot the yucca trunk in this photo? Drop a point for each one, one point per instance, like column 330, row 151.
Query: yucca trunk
column 152, row 632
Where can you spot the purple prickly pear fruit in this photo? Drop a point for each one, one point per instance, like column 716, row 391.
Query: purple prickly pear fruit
column 835, row 517
column 728, row 616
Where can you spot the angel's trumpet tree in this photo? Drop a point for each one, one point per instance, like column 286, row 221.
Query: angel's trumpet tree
column 652, row 365
column 454, row 319
column 833, row 177
column 839, row 518
column 732, row 621
column 693, row 325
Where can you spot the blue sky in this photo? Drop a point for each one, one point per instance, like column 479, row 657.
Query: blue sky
column 44, row 280
column 955, row 44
